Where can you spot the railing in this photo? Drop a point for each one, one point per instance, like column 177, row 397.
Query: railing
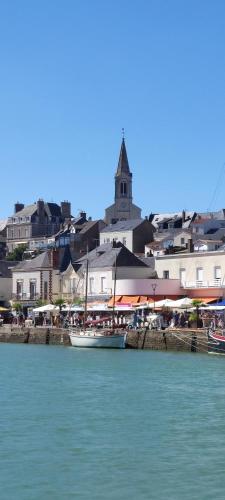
column 25, row 296
column 216, row 283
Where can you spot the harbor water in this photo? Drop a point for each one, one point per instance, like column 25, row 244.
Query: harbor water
column 93, row 424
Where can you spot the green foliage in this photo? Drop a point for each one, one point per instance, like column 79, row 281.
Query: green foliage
column 41, row 302
column 193, row 316
column 17, row 306
column 196, row 302
column 17, row 253
column 59, row 302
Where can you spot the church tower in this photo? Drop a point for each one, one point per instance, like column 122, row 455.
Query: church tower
column 123, row 208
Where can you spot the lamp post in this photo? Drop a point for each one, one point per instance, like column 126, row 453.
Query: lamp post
column 154, row 286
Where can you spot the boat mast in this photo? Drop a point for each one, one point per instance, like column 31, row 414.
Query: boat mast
column 114, row 294
column 86, row 294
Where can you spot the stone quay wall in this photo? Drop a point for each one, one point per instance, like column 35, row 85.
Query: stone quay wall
column 166, row 340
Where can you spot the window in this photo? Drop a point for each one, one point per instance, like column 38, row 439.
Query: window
column 182, row 241
column 217, row 273
column 103, row 282
column 166, row 275
column 123, row 188
column 19, row 289
column 45, row 290
column 199, row 274
column 32, row 289
column 182, row 275
column 91, row 285
column 124, row 241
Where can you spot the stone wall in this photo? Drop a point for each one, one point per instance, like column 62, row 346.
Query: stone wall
column 182, row 340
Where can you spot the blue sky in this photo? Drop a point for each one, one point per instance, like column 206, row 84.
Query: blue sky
column 73, row 73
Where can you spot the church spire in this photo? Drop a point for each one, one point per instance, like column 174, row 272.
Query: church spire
column 123, row 165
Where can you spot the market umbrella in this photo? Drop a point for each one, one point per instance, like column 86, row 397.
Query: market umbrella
column 45, row 308
column 163, row 303
column 182, row 303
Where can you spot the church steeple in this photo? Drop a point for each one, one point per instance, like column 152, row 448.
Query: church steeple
column 123, row 165
column 123, row 208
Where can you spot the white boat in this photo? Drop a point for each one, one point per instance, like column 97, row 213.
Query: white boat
column 95, row 338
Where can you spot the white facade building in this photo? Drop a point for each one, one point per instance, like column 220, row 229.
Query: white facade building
column 200, row 274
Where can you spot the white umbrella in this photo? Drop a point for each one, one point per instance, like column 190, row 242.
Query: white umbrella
column 162, row 303
column 182, row 303
column 45, row 308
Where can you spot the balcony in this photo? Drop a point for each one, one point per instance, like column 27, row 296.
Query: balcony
column 216, row 283
column 25, row 296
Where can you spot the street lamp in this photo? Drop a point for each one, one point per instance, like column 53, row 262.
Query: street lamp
column 154, row 286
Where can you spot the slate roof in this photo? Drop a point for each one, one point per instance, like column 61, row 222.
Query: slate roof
column 3, row 224
column 160, row 218
column 5, row 268
column 122, row 225
column 51, row 209
column 42, row 261
column 108, row 255
column 123, row 165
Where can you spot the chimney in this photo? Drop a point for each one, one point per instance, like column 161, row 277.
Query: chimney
column 190, row 246
column 66, row 209
column 17, row 207
column 83, row 215
column 40, row 209
column 54, row 258
column 183, row 216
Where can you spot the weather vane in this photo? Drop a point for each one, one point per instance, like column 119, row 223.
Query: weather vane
column 123, row 136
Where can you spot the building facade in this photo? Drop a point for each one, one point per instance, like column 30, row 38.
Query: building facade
column 33, row 222
column 134, row 234
column 200, row 274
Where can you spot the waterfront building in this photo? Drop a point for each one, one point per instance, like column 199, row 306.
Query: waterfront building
column 123, row 207
column 39, row 278
column 134, row 234
column 35, row 222
column 201, row 274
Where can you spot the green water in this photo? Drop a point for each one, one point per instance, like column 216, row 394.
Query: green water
column 105, row 424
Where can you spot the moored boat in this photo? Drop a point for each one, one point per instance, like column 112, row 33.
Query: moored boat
column 95, row 338
column 216, row 342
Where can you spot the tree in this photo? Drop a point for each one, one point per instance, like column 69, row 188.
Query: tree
column 59, row 302
column 17, row 253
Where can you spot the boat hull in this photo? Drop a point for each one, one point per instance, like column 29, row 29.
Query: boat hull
column 216, row 343
column 96, row 340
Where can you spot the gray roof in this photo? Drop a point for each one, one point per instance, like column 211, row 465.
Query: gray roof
column 108, row 255
column 42, row 261
column 51, row 209
column 3, row 224
column 123, row 225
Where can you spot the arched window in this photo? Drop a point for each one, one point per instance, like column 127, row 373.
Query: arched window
column 123, row 188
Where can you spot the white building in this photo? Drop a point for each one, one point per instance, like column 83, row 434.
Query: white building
column 201, row 274
column 39, row 278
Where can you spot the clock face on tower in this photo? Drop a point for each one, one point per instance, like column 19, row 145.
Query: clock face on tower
column 123, row 205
